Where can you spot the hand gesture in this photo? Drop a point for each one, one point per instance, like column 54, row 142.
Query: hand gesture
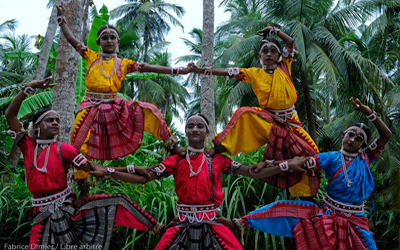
column 257, row 167
column 265, row 32
column 360, row 107
column 194, row 68
column 97, row 170
column 297, row 163
column 145, row 171
column 60, row 9
column 41, row 84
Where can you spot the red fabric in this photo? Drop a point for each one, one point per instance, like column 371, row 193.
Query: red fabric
column 285, row 143
column 116, row 130
column 55, row 180
column 338, row 230
column 197, row 190
column 124, row 218
column 36, row 235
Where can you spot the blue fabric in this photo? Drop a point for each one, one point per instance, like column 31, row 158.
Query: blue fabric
column 368, row 239
column 358, row 172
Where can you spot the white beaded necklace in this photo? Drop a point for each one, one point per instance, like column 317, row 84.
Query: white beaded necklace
column 349, row 157
column 45, row 143
column 192, row 173
column 108, row 57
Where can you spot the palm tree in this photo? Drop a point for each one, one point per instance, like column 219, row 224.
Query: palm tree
column 150, row 18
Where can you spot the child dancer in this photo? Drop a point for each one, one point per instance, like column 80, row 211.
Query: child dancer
column 61, row 219
column 276, row 123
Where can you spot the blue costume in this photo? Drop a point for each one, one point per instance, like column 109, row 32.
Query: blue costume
column 341, row 222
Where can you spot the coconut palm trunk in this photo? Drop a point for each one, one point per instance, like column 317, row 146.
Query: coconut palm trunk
column 66, row 70
column 207, row 82
column 309, row 106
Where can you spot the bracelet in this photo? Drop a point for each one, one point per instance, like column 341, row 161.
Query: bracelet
column 284, row 166
column 130, row 169
column 274, row 31
column 174, row 71
column 109, row 174
column 13, row 134
column 233, row 71
column 270, row 163
column 208, row 71
column 60, row 20
column 27, row 90
column 372, row 117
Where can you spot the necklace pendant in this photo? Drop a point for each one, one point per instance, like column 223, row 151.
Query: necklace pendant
column 191, row 174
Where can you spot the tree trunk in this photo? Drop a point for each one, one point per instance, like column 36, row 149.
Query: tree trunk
column 41, row 67
column 207, row 82
column 309, row 108
column 328, row 110
column 66, row 70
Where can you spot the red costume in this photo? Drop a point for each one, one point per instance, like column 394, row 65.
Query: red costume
column 200, row 194
column 56, row 221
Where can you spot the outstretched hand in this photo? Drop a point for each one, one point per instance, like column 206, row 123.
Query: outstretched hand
column 97, row 170
column 265, row 32
column 297, row 163
column 60, row 9
column 42, row 84
column 194, row 68
column 145, row 171
column 360, row 107
column 257, row 167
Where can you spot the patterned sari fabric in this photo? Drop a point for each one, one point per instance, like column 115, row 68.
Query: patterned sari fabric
column 107, row 127
column 59, row 223
column 198, row 230
column 276, row 124
column 330, row 226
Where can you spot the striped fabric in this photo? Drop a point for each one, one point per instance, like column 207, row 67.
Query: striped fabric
column 91, row 225
column 285, row 143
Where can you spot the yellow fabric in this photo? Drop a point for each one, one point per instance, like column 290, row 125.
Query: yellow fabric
column 96, row 82
column 80, row 174
column 152, row 124
column 274, row 91
column 251, row 132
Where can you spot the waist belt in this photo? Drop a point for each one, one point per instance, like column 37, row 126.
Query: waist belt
column 196, row 213
column 52, row 202
column 97, row 97
column 282, row 112
column 345, row 208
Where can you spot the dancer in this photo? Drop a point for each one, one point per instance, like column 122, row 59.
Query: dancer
column 341, row 222
column 58, row 220
column 198, row 187
column 107, row 127
column 276, row 123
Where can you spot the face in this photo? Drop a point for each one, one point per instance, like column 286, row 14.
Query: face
column 108, row 41
column 196, row 131
column 49, row 126
column 352, row 141
column 269, row 55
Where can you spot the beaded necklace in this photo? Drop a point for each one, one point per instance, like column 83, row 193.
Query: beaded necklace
column 43, row 144
column 346, row 156
column 197, row 151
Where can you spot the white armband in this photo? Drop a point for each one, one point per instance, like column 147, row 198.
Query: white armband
column 79, row 160
column 13, row 134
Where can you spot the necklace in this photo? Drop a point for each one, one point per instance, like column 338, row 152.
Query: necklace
column 45, row 143
column 43, row 169
column 349, row 156
column 108, row 57
column 192, row 173
column 269, row 69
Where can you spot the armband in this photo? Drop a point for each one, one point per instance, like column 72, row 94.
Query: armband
column 208, row 71
column 310, row 163
column 284, row 166
column 130, row 169
column 60, row 20
column 27, row 90
column 160, row 169
column 233, row 71
column 372, row 117
column 274, row 31
column 13, row 134
column 373, row 145
column 79, row 160
column 174, row 71
column 109, row 174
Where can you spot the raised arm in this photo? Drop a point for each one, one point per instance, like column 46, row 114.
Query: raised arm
column 63, row 25
column 273, row 30
column 384, row 132
column 12, row 110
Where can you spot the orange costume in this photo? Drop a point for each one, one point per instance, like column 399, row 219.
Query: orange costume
column 107, row 127
column 276, row 124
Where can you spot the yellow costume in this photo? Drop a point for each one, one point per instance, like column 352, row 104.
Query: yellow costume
column 107, row 127
column 250, row 128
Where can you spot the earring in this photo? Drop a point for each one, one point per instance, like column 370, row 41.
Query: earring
column 100, row 49
column 261, row 62
column 280, row 59
column 38, row 132
column 117, row 49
